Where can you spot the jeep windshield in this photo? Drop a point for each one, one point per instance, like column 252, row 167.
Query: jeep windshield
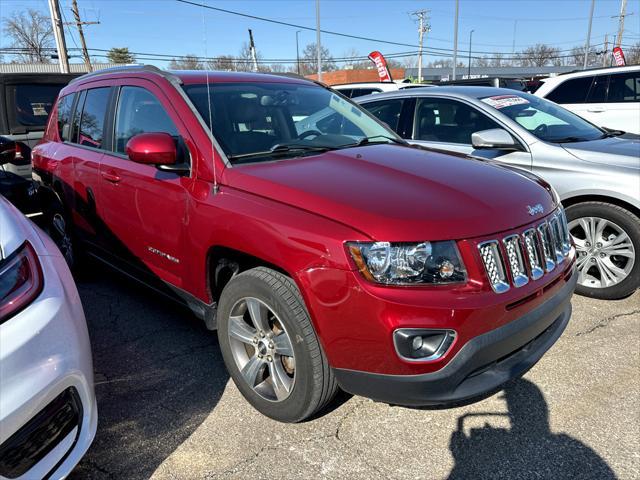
column 256, row 121
column 544, row 119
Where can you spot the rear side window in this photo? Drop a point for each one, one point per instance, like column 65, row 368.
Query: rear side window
column 387, row 110
column 91, row 132
column 449, row 121
column 65, row 104
column 139, row 111
column 598, row 91
column 624, row 87
column 571, row 91
column 30, row 104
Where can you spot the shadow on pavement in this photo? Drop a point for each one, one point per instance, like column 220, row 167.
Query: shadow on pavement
column 528, row 449
column 159, row 373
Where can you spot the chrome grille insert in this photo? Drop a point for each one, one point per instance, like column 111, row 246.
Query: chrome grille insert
column 533, row 247
column 547, row 246
column 515, row 260
column 492, row 260
column 566, row 237
column 556, row 237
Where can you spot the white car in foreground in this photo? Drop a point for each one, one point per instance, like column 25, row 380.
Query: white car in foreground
column 48, row 413
column 607, row 97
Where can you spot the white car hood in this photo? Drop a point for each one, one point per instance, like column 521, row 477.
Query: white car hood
column 623, row 152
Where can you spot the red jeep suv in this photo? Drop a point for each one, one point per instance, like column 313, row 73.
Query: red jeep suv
column 325, row 251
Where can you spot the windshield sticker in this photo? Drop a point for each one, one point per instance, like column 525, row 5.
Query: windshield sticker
column 502, row 101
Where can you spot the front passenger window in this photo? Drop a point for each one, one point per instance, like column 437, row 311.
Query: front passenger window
column 139, row 111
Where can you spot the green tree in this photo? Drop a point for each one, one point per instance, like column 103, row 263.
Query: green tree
column 120, row 55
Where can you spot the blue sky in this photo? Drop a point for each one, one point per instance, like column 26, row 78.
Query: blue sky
column 169, row 27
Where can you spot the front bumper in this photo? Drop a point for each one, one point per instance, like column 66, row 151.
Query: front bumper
column 481, row 366
column 46, row 380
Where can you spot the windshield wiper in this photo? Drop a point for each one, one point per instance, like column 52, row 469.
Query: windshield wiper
column 567, row 140
column 281, row 149
column 612, row 133
column 371, row 141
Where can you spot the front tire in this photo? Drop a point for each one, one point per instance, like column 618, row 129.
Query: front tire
column 270, row 347
column 607, row 239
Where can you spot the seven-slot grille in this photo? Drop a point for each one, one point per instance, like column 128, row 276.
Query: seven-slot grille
column 528, row 255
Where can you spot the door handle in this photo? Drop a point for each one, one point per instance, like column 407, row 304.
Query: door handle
column 596, row 109
column 111, row 176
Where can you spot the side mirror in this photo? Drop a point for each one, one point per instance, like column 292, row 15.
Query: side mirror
column 496, row 138
column 152, row 149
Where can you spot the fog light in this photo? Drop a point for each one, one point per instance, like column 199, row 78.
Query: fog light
column 415, row 344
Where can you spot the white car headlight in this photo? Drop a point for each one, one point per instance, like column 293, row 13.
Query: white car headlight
column 408, row 263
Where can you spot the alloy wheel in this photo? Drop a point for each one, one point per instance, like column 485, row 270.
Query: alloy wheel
column 262, row 349
column 606, row 254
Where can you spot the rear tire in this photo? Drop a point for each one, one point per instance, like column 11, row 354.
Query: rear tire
column 607, row 239
column 262, row 308
column 57, row 224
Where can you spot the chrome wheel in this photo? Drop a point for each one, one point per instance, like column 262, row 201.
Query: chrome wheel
column 606, row 254
column 62, row 237
column 261, row 349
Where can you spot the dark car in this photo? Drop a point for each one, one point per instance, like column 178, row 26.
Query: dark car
column 26, row 100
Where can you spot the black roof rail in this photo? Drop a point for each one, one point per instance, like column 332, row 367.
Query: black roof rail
column 130, row 68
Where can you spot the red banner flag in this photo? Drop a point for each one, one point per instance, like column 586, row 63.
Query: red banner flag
column 618, row 56
column 381, row 64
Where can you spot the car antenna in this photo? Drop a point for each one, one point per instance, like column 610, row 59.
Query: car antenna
column 206, row 70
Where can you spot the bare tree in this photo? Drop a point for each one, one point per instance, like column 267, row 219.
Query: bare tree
column 223, row 62
column 577, row 57
column 539, row 55
column 31, row 31
column 351, row 57
column 632, row 55
column 309, row 60
column 188, row 62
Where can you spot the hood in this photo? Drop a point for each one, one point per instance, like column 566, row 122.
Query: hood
column 396, row 193
column 621, row 151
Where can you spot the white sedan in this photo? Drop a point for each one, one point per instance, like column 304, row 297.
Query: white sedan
column 48, row 412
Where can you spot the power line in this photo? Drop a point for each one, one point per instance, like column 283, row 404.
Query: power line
column 432, row 50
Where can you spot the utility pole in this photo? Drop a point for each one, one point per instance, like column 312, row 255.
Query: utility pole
column 587, row 45
column 252, row 51
column 318, row 46
column 297, row 53
column 79, row 24
column 605, row 55
column 513, row 45
column 469, row 66
column 58, row 33
column 423, row 27
column 455, row 41
column 623, row 13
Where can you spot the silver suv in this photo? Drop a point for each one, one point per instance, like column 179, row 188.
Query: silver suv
column 595, row 171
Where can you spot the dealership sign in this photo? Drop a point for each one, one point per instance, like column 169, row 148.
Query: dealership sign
column 618, row 56
column 381, row 64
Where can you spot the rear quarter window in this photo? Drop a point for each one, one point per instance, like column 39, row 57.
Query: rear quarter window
column 65, row 105
column 624, row 87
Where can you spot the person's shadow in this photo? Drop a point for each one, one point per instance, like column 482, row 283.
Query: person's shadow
column 528, row 449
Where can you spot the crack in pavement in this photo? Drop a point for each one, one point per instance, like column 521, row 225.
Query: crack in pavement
column 606, row 321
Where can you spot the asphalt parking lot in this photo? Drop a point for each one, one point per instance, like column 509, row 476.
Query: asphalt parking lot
column 167, row 409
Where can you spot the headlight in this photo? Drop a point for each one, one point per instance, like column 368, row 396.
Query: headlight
column 409, row 263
